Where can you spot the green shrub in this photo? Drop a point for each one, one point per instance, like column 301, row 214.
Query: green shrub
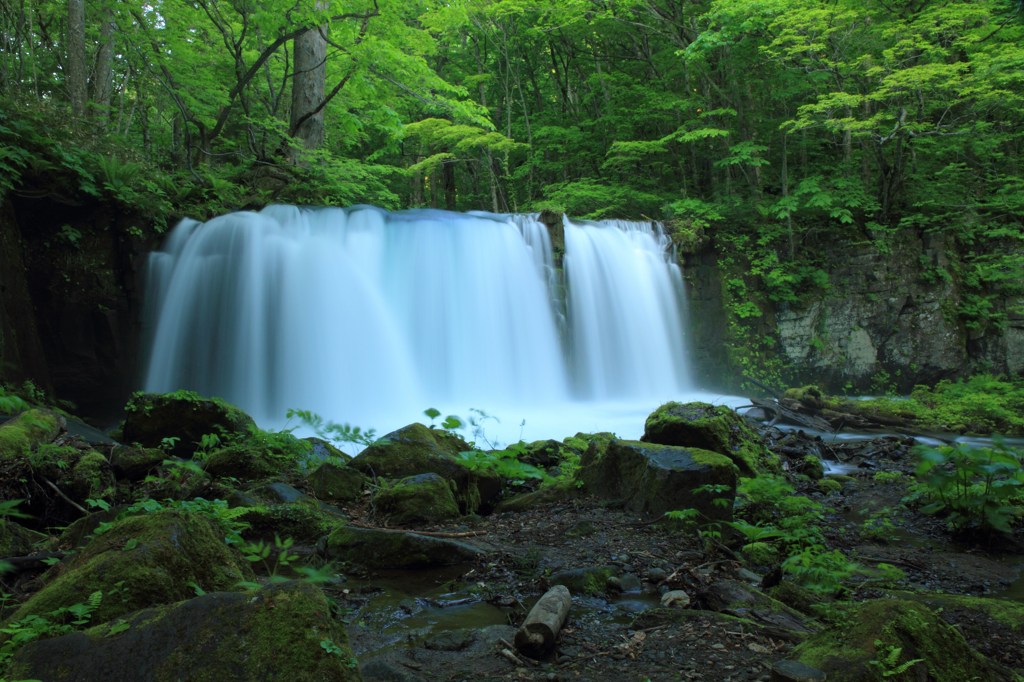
column 973, row 487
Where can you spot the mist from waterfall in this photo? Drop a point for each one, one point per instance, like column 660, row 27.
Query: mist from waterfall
column 368, row 317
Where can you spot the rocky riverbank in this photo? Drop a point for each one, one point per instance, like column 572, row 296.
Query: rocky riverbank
column 715, row 548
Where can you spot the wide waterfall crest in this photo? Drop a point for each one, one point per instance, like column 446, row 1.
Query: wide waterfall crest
column 368, row 316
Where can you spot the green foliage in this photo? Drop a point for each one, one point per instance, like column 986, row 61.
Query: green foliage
column 57, row 622
column 887, row 660
column 982, row 404
column 505, row 463
column 342, row 435
column 973, row 487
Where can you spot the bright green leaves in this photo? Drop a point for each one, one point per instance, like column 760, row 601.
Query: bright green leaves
column 972, row 487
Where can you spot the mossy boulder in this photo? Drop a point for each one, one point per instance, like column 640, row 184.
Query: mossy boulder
column 281, row 633
column 710, row 427
column 423, row 498
column 244, row 461
column 592, row 580
column 23, row 433
column 142, row 561
column 133, row 463
column 16, row 540
column 153, row 417
column 336, row 482
column 883, row 635
column 418, row 449
column 303, row 522
column 652, row 479
column 738, row 599
column 386, row 549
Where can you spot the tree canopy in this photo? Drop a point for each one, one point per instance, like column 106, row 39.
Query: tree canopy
column 776, row 126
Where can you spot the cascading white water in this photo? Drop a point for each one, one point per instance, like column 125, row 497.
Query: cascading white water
column 369, row 317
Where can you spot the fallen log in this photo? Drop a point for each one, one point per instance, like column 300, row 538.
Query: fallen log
column 536, row 637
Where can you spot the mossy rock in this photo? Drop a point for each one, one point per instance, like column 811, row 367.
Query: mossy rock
column 302, row 522
column 142, row 561
column 187, row 416
column 244, row 461
column 23, row 433
column 133, row 463
column 16, row 540
column 596, row 445
column 710, row 427
column 385, row 549
column 890, row 635
column 653, row 479
column 592, row 581
column 419, row 499
column 418, row 449
column 90, row 477
column 337, row 482
column 738, row 599
column 285, row 632
column 558, row 492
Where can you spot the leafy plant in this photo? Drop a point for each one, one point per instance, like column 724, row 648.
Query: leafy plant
column 341, row 435
column 57, row 622
column 887, row 660
column 972, row 487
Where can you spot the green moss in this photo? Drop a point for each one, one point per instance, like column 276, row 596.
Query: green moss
column 829, row 485
column 141, row 561
column 417, row 449
column 760, row 553
column 282, row 633
column 879, row 636
column 18, row 436
column 16, row 540
column 591, row 581
column 91, row 477
column 302, row 522
column 424, row 498
column 710, row 427
column 337, row 482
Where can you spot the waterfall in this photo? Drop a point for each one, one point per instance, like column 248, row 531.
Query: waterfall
column 369, row 317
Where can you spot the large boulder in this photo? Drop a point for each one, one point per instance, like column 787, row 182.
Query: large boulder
column 423, row 498
column 155, row 419
column 710, row 427
column 387, row 549
column 142, row 561
column 418, row 449
column 280, row 633
column 652, row 479
column 877, row 639
column 337, row 482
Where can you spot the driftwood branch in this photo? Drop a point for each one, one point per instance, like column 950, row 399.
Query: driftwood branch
column 536, row 637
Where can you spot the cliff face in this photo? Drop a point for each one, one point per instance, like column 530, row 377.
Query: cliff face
column 69, row 299
column 887, row 320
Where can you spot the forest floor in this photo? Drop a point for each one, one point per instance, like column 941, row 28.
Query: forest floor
column 459, row 623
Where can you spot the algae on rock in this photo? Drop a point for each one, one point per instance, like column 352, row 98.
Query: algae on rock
column 884, row 635
column 285, row 632
column 142, row 561
column 710, row 427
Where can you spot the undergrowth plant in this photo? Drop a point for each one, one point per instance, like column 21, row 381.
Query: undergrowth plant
column 972, row 487
column 57, row 622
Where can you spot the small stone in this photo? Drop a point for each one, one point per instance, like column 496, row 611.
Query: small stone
column 795, row 671
column 675, row 598
column 656, row 575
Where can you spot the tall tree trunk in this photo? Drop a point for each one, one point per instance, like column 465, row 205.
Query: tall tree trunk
column 103, row 75
column 75, row 74
column 308, row 88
